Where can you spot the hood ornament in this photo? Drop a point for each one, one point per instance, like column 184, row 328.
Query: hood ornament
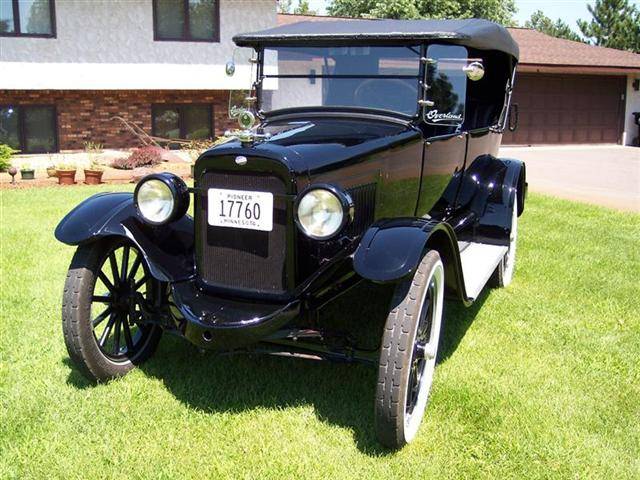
column 246, row 134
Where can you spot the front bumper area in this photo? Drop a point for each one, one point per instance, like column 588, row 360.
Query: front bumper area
column 219, row 323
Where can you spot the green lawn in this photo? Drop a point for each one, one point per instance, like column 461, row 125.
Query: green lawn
column 539, row 380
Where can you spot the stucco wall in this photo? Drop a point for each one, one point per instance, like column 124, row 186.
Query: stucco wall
column 108, row 44
column 632, row 105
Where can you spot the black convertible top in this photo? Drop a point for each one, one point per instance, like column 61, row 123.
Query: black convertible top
column 474, row 33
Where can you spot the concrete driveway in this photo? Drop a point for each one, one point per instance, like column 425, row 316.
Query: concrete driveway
column 603, row 175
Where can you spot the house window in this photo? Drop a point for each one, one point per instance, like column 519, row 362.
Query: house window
column 190, row 122
column 30, row 129
column 186, row 20
column 27, row 18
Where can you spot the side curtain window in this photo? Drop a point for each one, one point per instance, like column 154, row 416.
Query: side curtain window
column 446, row 86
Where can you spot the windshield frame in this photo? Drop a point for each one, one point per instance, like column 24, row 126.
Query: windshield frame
column 420, row 50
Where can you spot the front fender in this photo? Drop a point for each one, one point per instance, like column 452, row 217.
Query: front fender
column 168, row 249
column 391, row 250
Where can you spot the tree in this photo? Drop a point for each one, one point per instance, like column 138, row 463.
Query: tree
column 500, row 11
column 303, row 8
column 539, row 21
column 615, row 24
column 286, row 6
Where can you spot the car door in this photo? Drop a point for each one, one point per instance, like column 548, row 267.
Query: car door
column 445, row 142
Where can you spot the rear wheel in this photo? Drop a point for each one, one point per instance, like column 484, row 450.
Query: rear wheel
column 503, row 275
column 408, row 353
column 102, row 319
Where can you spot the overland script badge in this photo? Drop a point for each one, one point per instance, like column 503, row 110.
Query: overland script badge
column 445, row 118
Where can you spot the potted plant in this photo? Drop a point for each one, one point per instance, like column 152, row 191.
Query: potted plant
column 51, row 167
column 27, row 173
column 66, row 173
column 93, row 174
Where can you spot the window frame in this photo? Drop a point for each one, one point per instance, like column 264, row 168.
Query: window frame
column 22, row 130
column 17, row 25
column 181, row 126
column 186, row 31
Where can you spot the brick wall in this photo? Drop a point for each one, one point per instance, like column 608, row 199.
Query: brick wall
column 86, row 115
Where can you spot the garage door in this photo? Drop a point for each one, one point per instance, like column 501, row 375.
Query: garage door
column 567, row 109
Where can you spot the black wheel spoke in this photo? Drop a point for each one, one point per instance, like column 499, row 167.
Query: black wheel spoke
column 114, row 266
column 134, row 268
column 106, row 281
column 127, row 335
column 107, row 331
column 98, row 320
column 118, row 308
column 140, row 282
column 102, row 299
column 116, row 335
column 125, row 263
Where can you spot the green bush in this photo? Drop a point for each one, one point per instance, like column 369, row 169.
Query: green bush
column 5, row 156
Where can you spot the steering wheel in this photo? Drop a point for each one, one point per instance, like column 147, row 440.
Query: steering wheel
column 386, row 94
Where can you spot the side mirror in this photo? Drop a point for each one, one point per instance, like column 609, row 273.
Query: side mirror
column 474, row 71
column 230, row 68
column 513, row 117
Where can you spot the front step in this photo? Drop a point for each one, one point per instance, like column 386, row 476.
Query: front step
column 479, row 261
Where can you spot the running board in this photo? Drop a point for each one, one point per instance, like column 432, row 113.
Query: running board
column 479, row 261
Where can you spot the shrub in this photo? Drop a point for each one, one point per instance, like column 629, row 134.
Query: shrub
column 140, row 157
column 92, row 147
column 5, row 155
column 195, row 148
column 95, row 166
column 66, row 167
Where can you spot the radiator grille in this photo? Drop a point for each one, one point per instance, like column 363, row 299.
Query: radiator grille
column 239, row 258
column 364, row 200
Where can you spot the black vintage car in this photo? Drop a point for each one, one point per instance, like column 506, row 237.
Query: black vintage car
column 374, row 159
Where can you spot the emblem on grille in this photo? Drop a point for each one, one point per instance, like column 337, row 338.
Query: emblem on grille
column 241, row 160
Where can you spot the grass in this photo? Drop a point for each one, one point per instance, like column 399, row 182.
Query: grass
column 536, row 381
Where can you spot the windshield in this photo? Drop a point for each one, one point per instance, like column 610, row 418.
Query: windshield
column 365, row 77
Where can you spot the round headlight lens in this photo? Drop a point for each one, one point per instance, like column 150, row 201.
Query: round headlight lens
column 155, row 201
column 320, row 213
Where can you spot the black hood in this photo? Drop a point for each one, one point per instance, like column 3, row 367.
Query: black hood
column 313, row 145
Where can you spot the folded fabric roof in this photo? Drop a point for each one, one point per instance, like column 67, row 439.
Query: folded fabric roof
column 474, row 33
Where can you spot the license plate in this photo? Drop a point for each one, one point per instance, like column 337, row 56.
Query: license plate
column 240, row 209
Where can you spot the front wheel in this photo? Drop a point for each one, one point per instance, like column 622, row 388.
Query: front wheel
column 102, row 317
column 408, row 353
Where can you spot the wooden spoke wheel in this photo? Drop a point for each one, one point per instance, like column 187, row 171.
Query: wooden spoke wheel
column 104, row 328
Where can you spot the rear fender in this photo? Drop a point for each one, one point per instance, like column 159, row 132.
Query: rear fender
column 168, row 249
column 391, row 250
column 488, row 191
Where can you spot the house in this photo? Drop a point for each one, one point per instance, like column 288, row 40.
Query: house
column 569, row 92
column 566, row 92
column 68, row 67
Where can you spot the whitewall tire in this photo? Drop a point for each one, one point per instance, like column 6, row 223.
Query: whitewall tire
column 408, row 353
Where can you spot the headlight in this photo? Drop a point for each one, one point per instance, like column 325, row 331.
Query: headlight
column 161, row 198
column 322, row 211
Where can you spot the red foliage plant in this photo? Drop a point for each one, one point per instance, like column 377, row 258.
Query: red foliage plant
column 140, row 157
